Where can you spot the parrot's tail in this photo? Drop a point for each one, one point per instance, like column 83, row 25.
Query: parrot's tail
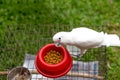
column 111, row 40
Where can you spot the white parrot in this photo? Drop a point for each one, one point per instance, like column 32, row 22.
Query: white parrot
column 85, row 38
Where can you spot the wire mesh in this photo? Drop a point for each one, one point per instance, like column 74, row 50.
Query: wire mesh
column 21, row 39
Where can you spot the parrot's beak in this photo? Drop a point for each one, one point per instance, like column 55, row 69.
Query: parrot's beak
column 57, row 44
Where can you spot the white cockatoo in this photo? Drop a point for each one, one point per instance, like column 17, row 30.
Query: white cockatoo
column 85, row 38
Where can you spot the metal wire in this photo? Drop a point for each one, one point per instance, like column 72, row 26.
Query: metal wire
column 21, row 39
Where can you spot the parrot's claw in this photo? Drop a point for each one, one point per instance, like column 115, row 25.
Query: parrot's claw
column 75, row 55
column 78, row 56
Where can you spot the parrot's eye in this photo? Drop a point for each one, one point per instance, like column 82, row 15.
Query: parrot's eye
column 59, row 38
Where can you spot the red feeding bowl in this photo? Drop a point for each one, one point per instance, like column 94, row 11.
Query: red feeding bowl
column 53, row 70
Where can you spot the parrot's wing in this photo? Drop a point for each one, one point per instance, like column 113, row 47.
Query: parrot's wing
column 86, row 37
column 83, row 30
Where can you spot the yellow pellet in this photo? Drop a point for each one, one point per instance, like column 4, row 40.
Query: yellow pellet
column 53, row 57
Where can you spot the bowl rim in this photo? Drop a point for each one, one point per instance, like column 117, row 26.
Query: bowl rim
column 63, row 72
column 18, row 68
column 51, row 65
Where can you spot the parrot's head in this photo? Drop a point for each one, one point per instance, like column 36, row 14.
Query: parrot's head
column 59, row 38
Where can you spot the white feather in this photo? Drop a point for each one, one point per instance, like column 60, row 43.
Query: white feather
column 111, row 40
column 85, row 38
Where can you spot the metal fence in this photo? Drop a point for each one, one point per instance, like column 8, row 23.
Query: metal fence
column 21, row 39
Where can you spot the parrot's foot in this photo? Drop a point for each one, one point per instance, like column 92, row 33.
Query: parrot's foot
column 78, row 56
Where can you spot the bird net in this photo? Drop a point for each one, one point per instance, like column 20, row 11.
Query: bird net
column 21, row 43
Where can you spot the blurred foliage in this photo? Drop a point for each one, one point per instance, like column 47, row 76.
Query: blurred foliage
column 74, row 13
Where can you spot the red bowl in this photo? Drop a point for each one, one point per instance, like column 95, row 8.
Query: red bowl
column 53, row 70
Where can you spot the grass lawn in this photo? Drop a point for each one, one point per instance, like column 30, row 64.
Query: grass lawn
column 16, row 39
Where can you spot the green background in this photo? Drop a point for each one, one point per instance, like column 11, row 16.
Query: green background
column 73, row 13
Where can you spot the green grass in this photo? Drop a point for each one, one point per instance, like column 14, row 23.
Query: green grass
column 73, row 13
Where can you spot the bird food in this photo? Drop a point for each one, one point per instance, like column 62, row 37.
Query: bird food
column 53, row 57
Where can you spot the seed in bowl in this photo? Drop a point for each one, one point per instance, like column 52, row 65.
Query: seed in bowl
column 53, row 57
